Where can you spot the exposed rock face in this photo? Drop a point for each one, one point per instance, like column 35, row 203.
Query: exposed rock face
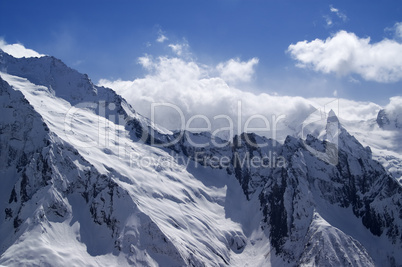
column 389, row 120
column 382, row 119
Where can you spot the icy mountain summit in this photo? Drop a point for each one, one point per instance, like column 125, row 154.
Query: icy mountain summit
column 87, row 181
column 390, row 120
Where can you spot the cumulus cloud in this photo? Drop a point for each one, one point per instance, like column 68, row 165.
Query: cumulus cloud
column 395, row 105
column 190, row 88
column 18, row 50
column 235, row 70
column 345, row 53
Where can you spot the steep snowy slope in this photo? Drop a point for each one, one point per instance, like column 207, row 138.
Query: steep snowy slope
column 144, row 211
column 385, row 143
column 155, row 182
column 83, row 185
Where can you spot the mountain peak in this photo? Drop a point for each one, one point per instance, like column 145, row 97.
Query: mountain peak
column 389, row 119
column 332, row 117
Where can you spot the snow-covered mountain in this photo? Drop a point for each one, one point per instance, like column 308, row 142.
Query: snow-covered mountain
column 87, row 181
column 392, row 120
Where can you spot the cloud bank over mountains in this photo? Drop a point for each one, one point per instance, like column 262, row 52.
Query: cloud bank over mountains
column 198, row 90
column 181, row 87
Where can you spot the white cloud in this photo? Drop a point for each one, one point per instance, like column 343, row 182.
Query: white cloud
column 328, row 20
column 353, row 80
column 18, row 50
column 345, row 53
column 146, row 62
column 235, row 70
column 333, row 9
column 161, row 38
column 340, row 15
column 395, row 104
column 176, row 48
column 334, row 17
column 190, row 87
column 349, row 110
column 396, row 31
column 180, row 49
column 394, row 110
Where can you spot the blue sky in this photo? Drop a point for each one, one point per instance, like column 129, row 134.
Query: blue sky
column 106, row 38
